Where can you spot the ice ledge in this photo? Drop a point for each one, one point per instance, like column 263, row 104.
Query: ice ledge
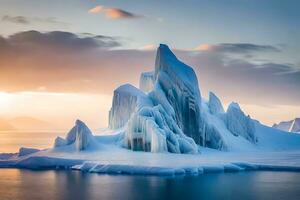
column 98, row 167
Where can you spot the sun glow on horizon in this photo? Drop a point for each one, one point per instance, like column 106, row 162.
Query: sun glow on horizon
column 60, row 109
column 5, row 99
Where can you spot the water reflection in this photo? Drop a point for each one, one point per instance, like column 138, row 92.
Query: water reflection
column 38, row 185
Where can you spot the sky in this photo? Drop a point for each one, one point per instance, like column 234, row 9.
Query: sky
column 61, row 60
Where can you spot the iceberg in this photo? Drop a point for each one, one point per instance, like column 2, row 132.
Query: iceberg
column 168, row 114
column 172, row 122
column 289, row 126
column 80, row 136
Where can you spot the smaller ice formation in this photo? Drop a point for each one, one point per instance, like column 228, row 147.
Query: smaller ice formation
column 239, row 124
column 214, row 104
column 295, row 127
column 23, row 151
column 289, row 126
column 80, row 136
column 147, row 81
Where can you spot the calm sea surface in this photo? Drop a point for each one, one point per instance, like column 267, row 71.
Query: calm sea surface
column 38, row 185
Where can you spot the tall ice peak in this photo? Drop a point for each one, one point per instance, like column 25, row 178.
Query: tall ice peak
column 167, row 62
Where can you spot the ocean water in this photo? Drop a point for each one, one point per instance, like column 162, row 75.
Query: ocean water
column 58, row 185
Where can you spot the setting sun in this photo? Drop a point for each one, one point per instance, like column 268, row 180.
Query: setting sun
column 5, row 100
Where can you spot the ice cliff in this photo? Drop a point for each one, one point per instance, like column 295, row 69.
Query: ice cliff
column 125, row 100
column 168, row 114
column 179, row 84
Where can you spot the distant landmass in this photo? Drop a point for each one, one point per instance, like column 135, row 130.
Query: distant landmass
column 5, row 125
column 24, row 123
column 290, row 126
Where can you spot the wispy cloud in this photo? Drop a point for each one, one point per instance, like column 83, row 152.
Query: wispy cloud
column 15, row 19
column 237, row 48
column 23, row 20
column 113, row 13
column 49, row 20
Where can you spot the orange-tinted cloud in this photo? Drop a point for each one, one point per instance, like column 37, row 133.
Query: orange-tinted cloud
column 67, row 62
column 237, row 48
column 96, row 9
column 203, row 47
column 113, row 13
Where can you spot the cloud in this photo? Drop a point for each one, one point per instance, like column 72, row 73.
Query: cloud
column 59, row 40
column 243, row 81
column 237, row 48
column 113, row 13
column 96, row 9
column 58, row 61
column 85, row 63
column 49, row 20
column 15, row 19
column 29, row 20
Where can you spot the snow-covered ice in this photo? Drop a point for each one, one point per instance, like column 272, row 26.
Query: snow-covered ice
column 116, row 160
column 165, row 127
